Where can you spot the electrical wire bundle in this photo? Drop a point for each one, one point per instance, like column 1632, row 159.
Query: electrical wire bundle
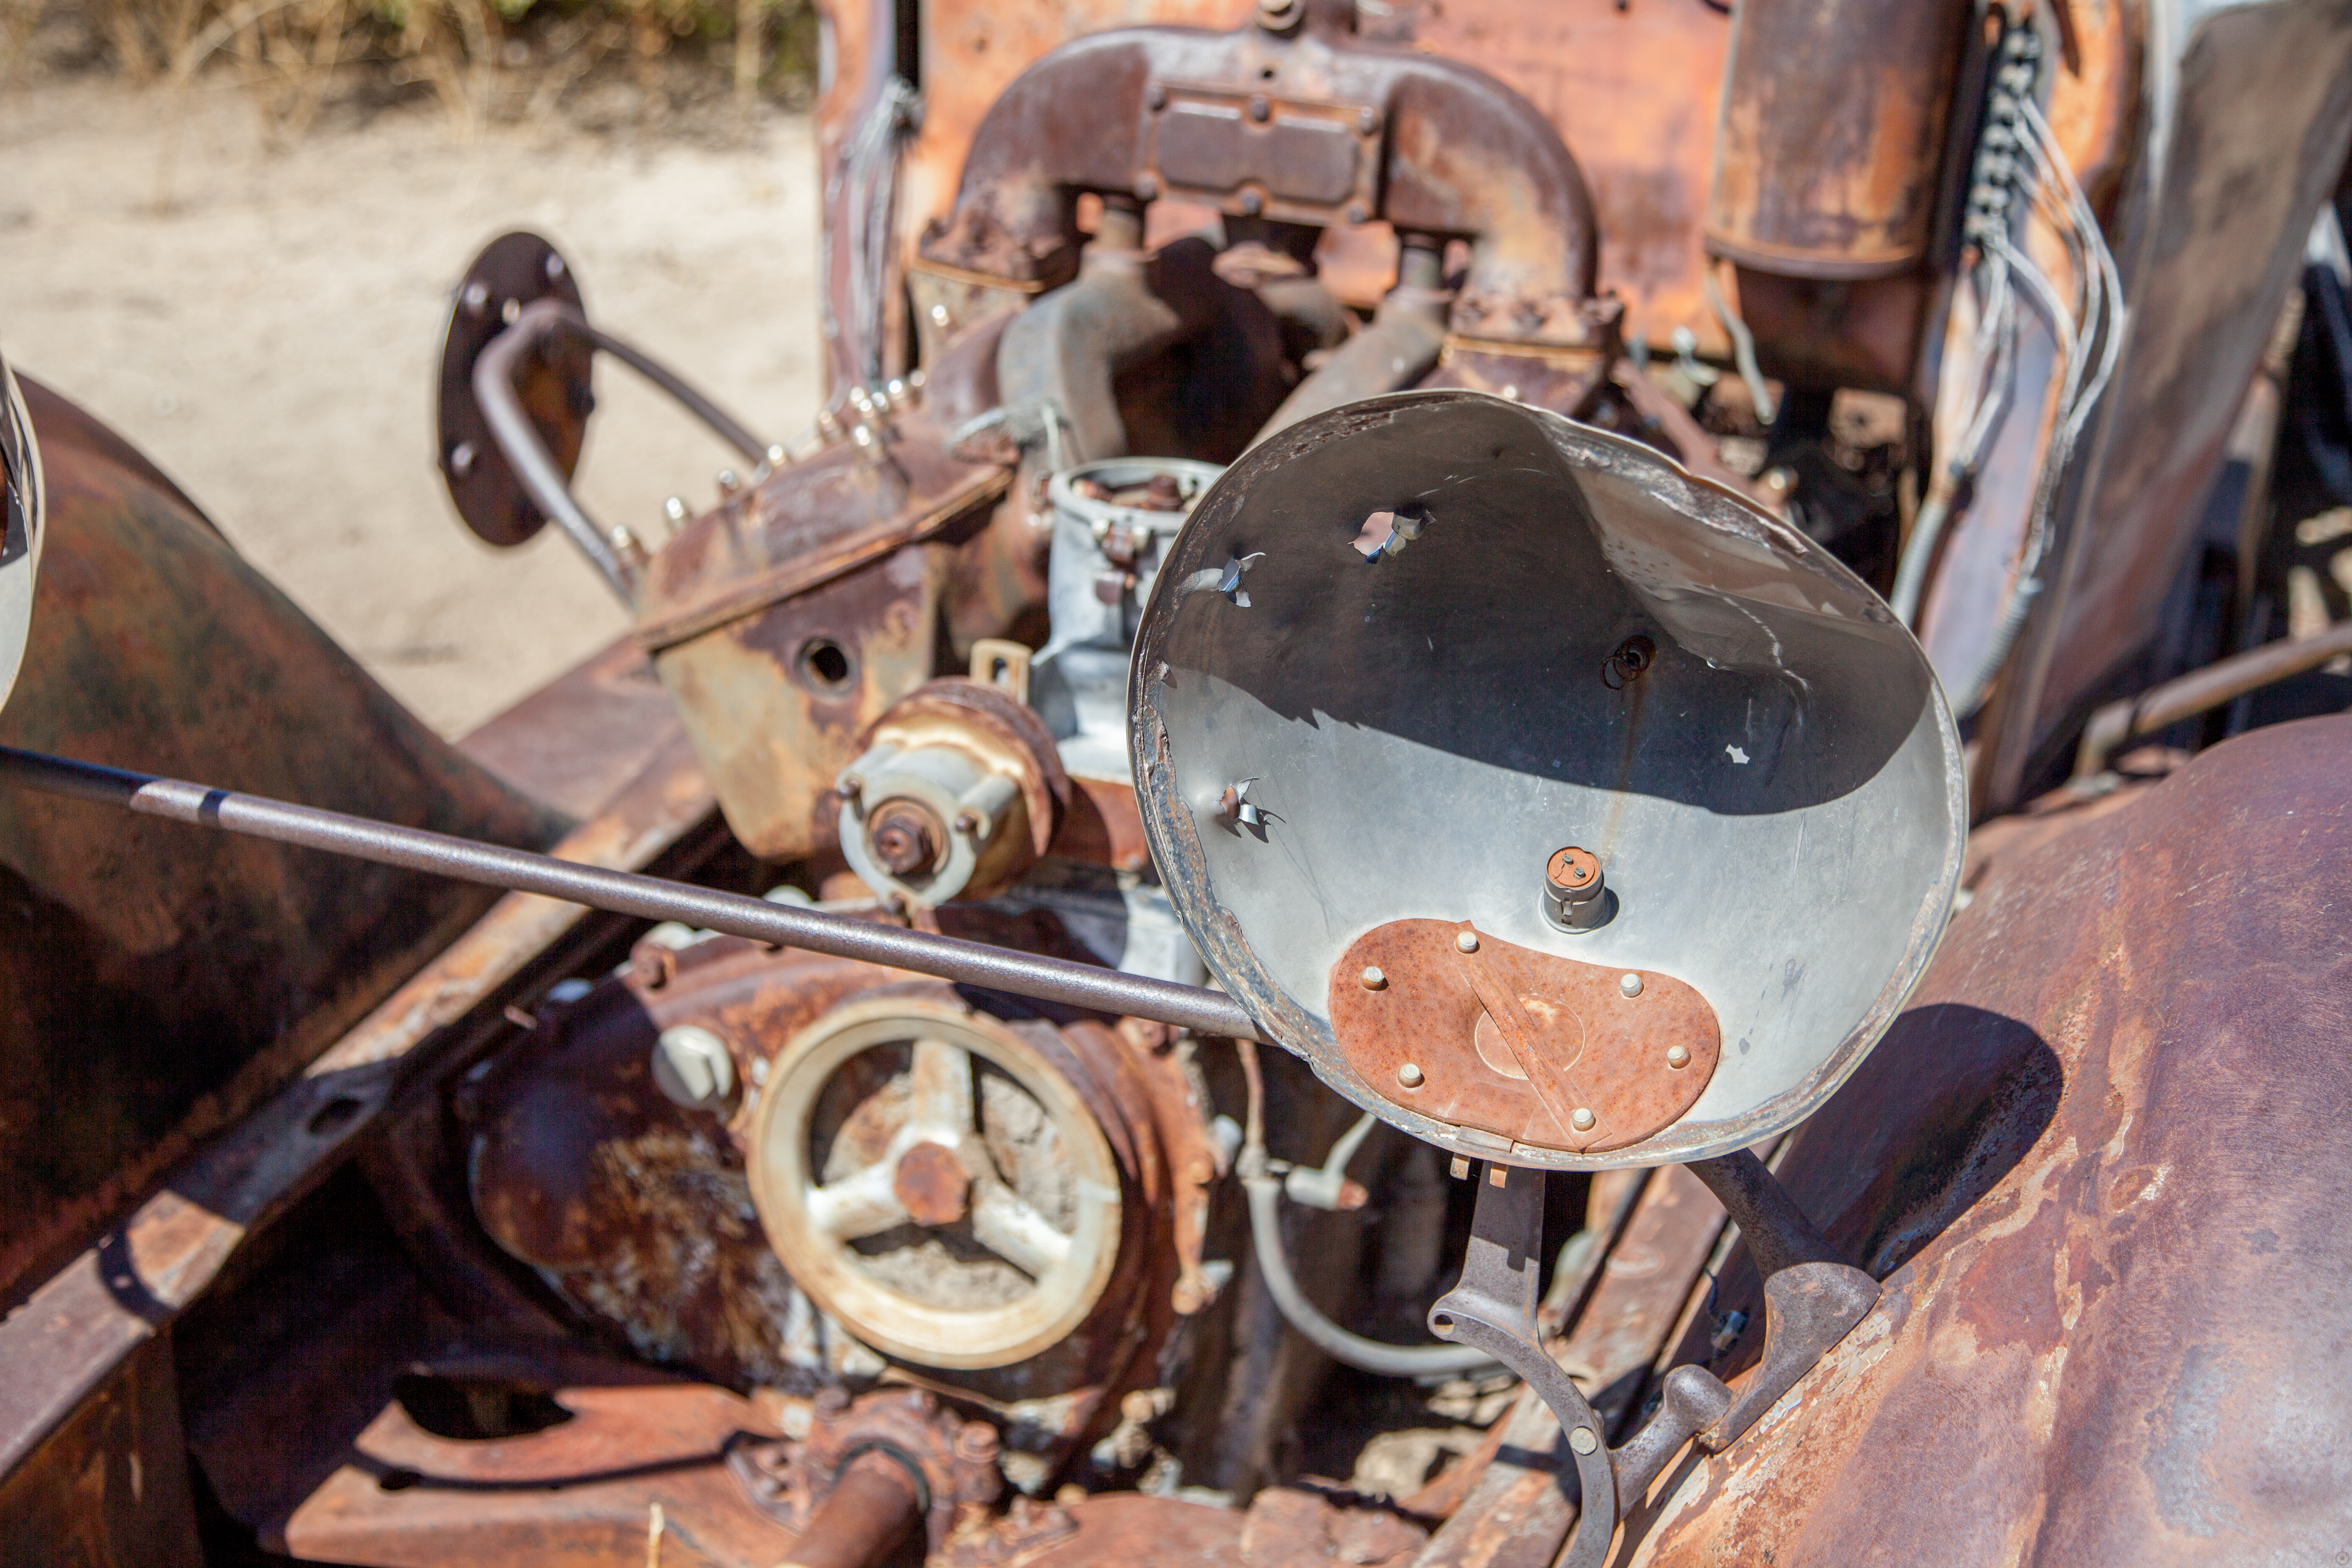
column 2020, row 173
column 868, row 173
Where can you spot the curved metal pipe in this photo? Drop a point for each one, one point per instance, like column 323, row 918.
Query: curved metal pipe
column 535, row 467
column 1350, row 1350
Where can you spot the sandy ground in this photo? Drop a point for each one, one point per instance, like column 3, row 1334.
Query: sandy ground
column 269, row 338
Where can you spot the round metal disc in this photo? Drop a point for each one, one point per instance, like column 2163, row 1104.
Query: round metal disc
column 513, row 271
column 1336, row 726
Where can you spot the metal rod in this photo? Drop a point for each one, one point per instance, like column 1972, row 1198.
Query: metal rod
column 2202, row 690
column 661, row 375
column 526, row 454
column 1190, row 1007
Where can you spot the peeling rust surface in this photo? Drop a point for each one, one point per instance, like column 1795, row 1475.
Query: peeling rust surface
column 1519, row 1043
column 578, row 1491
column 2084, row 1162
column 159, row 981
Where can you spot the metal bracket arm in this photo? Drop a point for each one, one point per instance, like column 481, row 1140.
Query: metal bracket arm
column 1813, row 1301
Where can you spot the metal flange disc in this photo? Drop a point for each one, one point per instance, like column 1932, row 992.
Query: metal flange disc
column 513, row 270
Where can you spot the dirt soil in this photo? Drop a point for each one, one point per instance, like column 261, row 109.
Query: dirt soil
column 266, row 326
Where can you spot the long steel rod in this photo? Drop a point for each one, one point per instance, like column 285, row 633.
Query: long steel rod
column 1191, row 1007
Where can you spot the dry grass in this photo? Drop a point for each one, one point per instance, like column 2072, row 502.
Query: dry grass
column 483, row 60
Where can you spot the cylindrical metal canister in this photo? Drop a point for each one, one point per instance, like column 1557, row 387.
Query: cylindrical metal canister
column 1831, row 132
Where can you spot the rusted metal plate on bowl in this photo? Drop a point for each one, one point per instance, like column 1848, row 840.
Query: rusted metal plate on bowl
column 1552, row 1051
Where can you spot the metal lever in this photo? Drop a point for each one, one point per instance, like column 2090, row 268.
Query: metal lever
column 1813, row 1301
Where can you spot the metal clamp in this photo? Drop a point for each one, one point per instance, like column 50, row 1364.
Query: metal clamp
column 1813, row 1301
column 535, row 467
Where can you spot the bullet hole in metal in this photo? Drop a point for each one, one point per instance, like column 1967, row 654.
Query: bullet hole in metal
column 1628, row 662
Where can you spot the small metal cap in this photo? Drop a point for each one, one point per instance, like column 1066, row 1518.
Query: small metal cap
column 1581, row 1119
column 728, row 482
column 693, row 1067
column 1582, row 1440
column 1467, row 941
column 673, row 508
column 778, row 456
column 1409, row 1076
column 461, row 458
column 1628, row 985
column 1678, row 1056
column 1373, row 980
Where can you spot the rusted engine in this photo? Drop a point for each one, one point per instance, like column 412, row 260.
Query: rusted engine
column 1302, row 858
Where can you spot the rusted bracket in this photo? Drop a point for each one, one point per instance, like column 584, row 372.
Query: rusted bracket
column 1813, row 1301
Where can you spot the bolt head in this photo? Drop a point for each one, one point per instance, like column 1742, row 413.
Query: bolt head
column 1259, row 109
column 1583, row 1440
column 1155, row 97
column 1253, row 204
column 1628, row 985
column 461, row 459
column 1409, row 1076
column 1147, row 189
column 1678, row 1056
column 1466, row 942
column 1581, row 1119
column 1373, row 979
column 675, row 509
column 903, row 837
column 1357, row 213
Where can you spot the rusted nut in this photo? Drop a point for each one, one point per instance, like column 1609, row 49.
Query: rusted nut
column 906, row 837
column 932, row 1186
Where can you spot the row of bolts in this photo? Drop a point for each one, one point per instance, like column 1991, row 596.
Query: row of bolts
column 869, row 408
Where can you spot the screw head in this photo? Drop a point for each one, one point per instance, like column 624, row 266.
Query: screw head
column 1467, row 941
column 461, row 459
column 673, row 508
column 1367, row 121
column 1409, row 1076
column 1357, row 213
column 1259, row 109
column 1253, row 204
column 1678, row 1056
column 555, row 267
column 1147, row 187
column 1373, row 980
column 728, row 482
column 1155, row 97
column 1628, row 985
column 1582, row 1440
column 1581, row 1119
column 476, row 298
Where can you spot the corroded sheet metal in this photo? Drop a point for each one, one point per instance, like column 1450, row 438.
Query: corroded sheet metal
column 160, row 981
column 582, row 1491
column 1536, row 1047
column 2089, row 1163
column 1814, row 183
